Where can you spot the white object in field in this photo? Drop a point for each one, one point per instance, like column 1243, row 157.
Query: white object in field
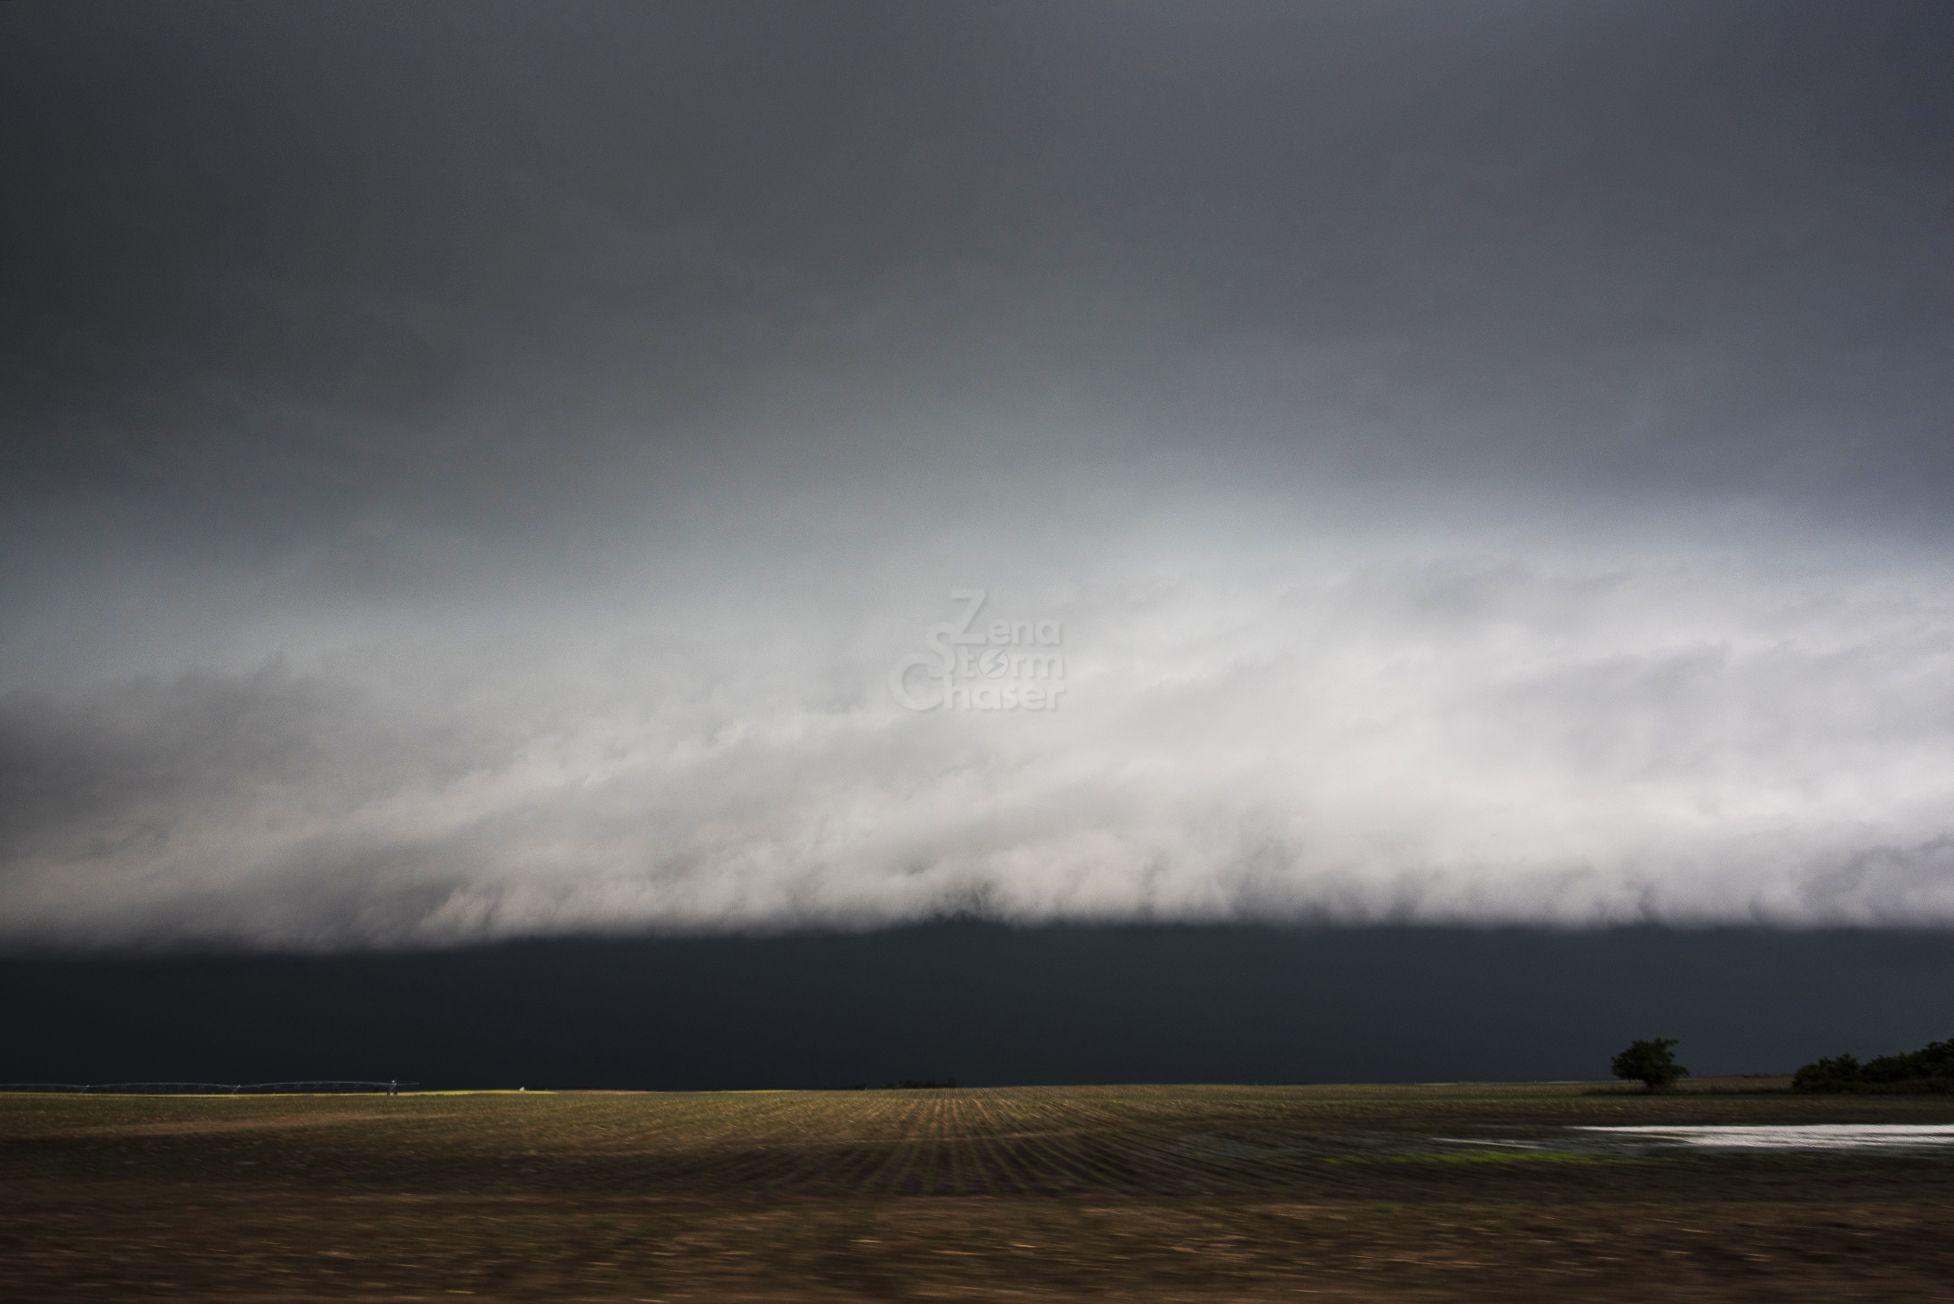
column 1806, row 1136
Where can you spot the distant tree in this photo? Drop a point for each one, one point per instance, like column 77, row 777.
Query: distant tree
column 1651, row 1063
column 1931, row 1068
column 1839, row 1073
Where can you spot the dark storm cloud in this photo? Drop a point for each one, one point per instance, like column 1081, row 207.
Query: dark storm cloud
column 986, row 1003
column 469, row 469
column 1704, row 240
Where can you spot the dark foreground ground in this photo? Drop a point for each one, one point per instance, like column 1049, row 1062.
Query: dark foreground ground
column 1115, row 1192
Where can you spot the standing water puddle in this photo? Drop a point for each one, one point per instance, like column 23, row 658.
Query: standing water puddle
column 1811, row 1136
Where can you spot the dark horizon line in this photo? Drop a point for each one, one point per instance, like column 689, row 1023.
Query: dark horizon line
column 1600, row 1086
column 179, row 948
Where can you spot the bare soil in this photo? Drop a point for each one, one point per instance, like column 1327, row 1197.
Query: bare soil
column 1164, row 1193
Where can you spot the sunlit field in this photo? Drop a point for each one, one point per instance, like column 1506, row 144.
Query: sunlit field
column 1158, row 1192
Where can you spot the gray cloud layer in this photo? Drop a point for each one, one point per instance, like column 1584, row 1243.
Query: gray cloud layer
column 472, row 471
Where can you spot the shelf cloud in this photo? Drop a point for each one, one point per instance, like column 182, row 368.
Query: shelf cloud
column 725, row 468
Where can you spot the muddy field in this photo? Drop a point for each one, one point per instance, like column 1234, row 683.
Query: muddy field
column 1152, row 1192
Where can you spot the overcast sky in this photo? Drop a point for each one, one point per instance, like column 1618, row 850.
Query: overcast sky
column 475, row 470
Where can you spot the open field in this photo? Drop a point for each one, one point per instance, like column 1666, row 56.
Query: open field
column 1154, row 1192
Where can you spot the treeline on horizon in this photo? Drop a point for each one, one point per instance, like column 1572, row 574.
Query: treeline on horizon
column 910, row 1084
column 1931, row 1068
